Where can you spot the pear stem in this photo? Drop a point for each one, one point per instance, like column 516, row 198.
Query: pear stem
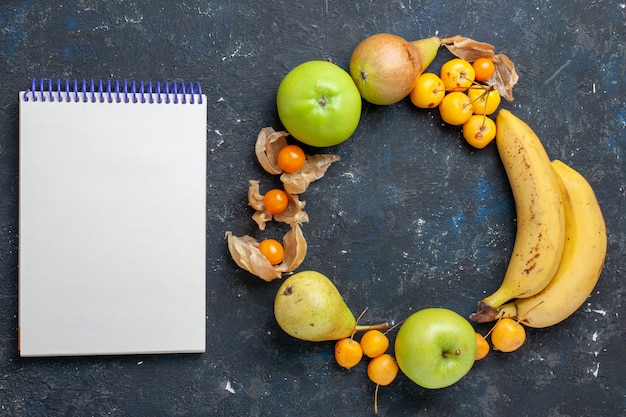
column 363, row 327
column 359, row 328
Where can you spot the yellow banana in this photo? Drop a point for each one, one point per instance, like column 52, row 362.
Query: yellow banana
column 582, row 261
column 540, row 220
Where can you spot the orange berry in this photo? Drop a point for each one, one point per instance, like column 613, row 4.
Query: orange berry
column 348, row 352
column 457, row 74
column 273, row 250
column 291, row 158
column 508, row 335
column 428, row 91
column 275, row 201
column 382, row 370
column 479, row 131
column 374, row 343
column 482, row 347
column 456, row 108
column 484, row 100
column 483, row 68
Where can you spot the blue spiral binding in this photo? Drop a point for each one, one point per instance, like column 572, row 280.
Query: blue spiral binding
column 97, row 91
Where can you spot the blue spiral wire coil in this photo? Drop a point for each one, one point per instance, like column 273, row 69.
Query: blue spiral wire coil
column 113, row 91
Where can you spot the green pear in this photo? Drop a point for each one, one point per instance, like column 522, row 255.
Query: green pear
column 428, row 48
column 308, row 306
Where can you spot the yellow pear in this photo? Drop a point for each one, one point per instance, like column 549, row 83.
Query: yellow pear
column 428, row 48
column 308, row 306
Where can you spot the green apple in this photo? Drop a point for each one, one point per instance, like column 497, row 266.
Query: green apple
column 435, row 347
column 319, row 104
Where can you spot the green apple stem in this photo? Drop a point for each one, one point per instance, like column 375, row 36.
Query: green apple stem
column 448, row 354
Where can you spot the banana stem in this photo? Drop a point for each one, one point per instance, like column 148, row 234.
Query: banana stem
column 484, row 313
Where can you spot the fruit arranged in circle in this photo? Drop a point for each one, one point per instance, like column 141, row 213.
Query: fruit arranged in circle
column 291, row 158
column 348, row 352
column 508, row 335
column 485, row 100
column 457, row 74
column 374, row 343
column 428, row 91
column 483, row 69
column 273, row 250
column 275, row 201
column 479, row 131
column 435, row 347
column 456, row 108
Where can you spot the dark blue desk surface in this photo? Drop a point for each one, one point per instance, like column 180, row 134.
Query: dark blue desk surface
column 410, row 218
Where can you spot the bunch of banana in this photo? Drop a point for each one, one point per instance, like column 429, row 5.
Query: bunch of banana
column 581, row 263
column 540, row 216
column 554, row 200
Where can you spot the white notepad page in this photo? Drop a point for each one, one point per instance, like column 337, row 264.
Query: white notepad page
column 112, row 233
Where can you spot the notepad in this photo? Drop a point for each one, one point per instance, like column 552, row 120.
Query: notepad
column 112, row 218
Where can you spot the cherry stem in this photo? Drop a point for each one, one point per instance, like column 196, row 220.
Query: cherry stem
column 488, row 89
column 533, row 307
column 493, row 327
column 395, row 325
column 376, row 399
column 361, row 315
column 519, row 319
column 364, row 327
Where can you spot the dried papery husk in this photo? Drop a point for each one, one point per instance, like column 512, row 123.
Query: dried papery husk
column 255, row 198
column 245, row 252
column 467, row 48
column 295, row 247
column 505, row 75
column 314, row 168
column 268, row 144
column 261, row 218
column 294, row 213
